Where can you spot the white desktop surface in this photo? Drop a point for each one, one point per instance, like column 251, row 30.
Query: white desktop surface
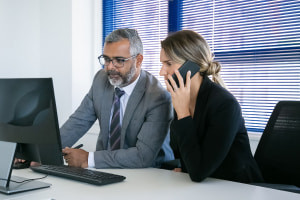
column 147, row 184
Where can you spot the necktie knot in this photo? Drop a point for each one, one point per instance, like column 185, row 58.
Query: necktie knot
column 119, row 92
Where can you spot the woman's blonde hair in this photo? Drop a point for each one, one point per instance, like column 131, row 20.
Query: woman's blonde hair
column 189, row 45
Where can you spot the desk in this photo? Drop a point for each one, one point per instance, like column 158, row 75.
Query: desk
column 147, row 184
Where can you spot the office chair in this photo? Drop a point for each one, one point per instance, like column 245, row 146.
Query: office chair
column 278, row 151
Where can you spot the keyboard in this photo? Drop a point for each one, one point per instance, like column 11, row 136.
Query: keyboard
column 79, row 174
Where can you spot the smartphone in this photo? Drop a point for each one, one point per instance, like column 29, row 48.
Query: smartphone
column 187, row 66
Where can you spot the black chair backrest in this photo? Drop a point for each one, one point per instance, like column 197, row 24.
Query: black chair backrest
column 278, row 151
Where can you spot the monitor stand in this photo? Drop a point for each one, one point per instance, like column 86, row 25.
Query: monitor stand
column 7, row 184
column 22, row 187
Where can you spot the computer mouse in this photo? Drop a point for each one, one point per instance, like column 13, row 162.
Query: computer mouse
column 21, row 165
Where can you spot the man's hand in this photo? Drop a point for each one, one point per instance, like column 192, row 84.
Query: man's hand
column 76, row 157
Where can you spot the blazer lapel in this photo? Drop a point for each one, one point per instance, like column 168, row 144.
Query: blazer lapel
column 133, row 101
column 106, row 105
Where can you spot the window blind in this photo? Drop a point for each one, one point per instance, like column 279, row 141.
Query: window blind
column 150, row 18
column 258, row 44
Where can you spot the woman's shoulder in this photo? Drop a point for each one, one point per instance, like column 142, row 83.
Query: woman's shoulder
column 220, row 95
column 216, row 90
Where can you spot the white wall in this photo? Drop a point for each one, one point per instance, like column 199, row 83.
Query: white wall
column 87, row 45
column 52, row 38
column 56, row 50
column 19, row 38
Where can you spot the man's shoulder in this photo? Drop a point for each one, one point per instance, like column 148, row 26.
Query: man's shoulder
column 151, row 80
column 100, row 78
column 153, row 87
column 100, row 74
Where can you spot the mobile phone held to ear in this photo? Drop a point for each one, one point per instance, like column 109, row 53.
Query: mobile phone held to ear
column 187, row 66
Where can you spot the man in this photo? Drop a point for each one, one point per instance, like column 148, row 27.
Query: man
column 134, row 125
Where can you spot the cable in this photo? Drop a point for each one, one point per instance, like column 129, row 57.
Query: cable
column 27, row 180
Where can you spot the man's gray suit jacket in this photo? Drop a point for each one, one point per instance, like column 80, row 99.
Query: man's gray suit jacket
column 145, row 126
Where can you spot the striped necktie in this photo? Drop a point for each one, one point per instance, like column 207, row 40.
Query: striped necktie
column 115, row 125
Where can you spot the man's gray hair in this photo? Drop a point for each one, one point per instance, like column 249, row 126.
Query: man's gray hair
column 136, row 45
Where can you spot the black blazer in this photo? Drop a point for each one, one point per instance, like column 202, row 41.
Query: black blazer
column 215, row 142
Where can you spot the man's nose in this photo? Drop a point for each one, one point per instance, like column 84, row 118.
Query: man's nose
column 110, row 65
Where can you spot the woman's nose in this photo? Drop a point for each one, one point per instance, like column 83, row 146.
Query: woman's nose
column 162, row 71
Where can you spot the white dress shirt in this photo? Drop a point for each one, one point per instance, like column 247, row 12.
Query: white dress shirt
column 123, row 103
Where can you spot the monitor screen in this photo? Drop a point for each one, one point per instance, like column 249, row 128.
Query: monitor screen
column 28, row 117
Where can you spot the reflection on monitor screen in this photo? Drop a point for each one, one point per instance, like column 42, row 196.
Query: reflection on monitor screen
column 28, row 117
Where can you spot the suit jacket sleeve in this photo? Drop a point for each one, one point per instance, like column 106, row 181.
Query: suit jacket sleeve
column 79, row 122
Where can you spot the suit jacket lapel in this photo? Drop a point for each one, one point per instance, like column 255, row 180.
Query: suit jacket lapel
column 107, row 101
column 133, row 101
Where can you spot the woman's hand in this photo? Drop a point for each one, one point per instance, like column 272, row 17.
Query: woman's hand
column 180, row 95
column 177, row 170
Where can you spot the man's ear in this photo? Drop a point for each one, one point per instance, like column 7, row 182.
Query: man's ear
column 139, row 60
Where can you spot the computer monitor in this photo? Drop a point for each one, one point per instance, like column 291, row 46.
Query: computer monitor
column 28, row 124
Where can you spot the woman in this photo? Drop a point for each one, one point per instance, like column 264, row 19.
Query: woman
column 208, row 133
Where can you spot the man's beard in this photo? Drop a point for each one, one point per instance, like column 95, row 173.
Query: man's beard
column 117, row 79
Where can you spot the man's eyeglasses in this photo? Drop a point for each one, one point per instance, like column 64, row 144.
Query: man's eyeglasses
column 118, row 62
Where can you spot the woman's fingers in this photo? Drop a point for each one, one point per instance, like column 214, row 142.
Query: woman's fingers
column 180, row 79
column 188, row 79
